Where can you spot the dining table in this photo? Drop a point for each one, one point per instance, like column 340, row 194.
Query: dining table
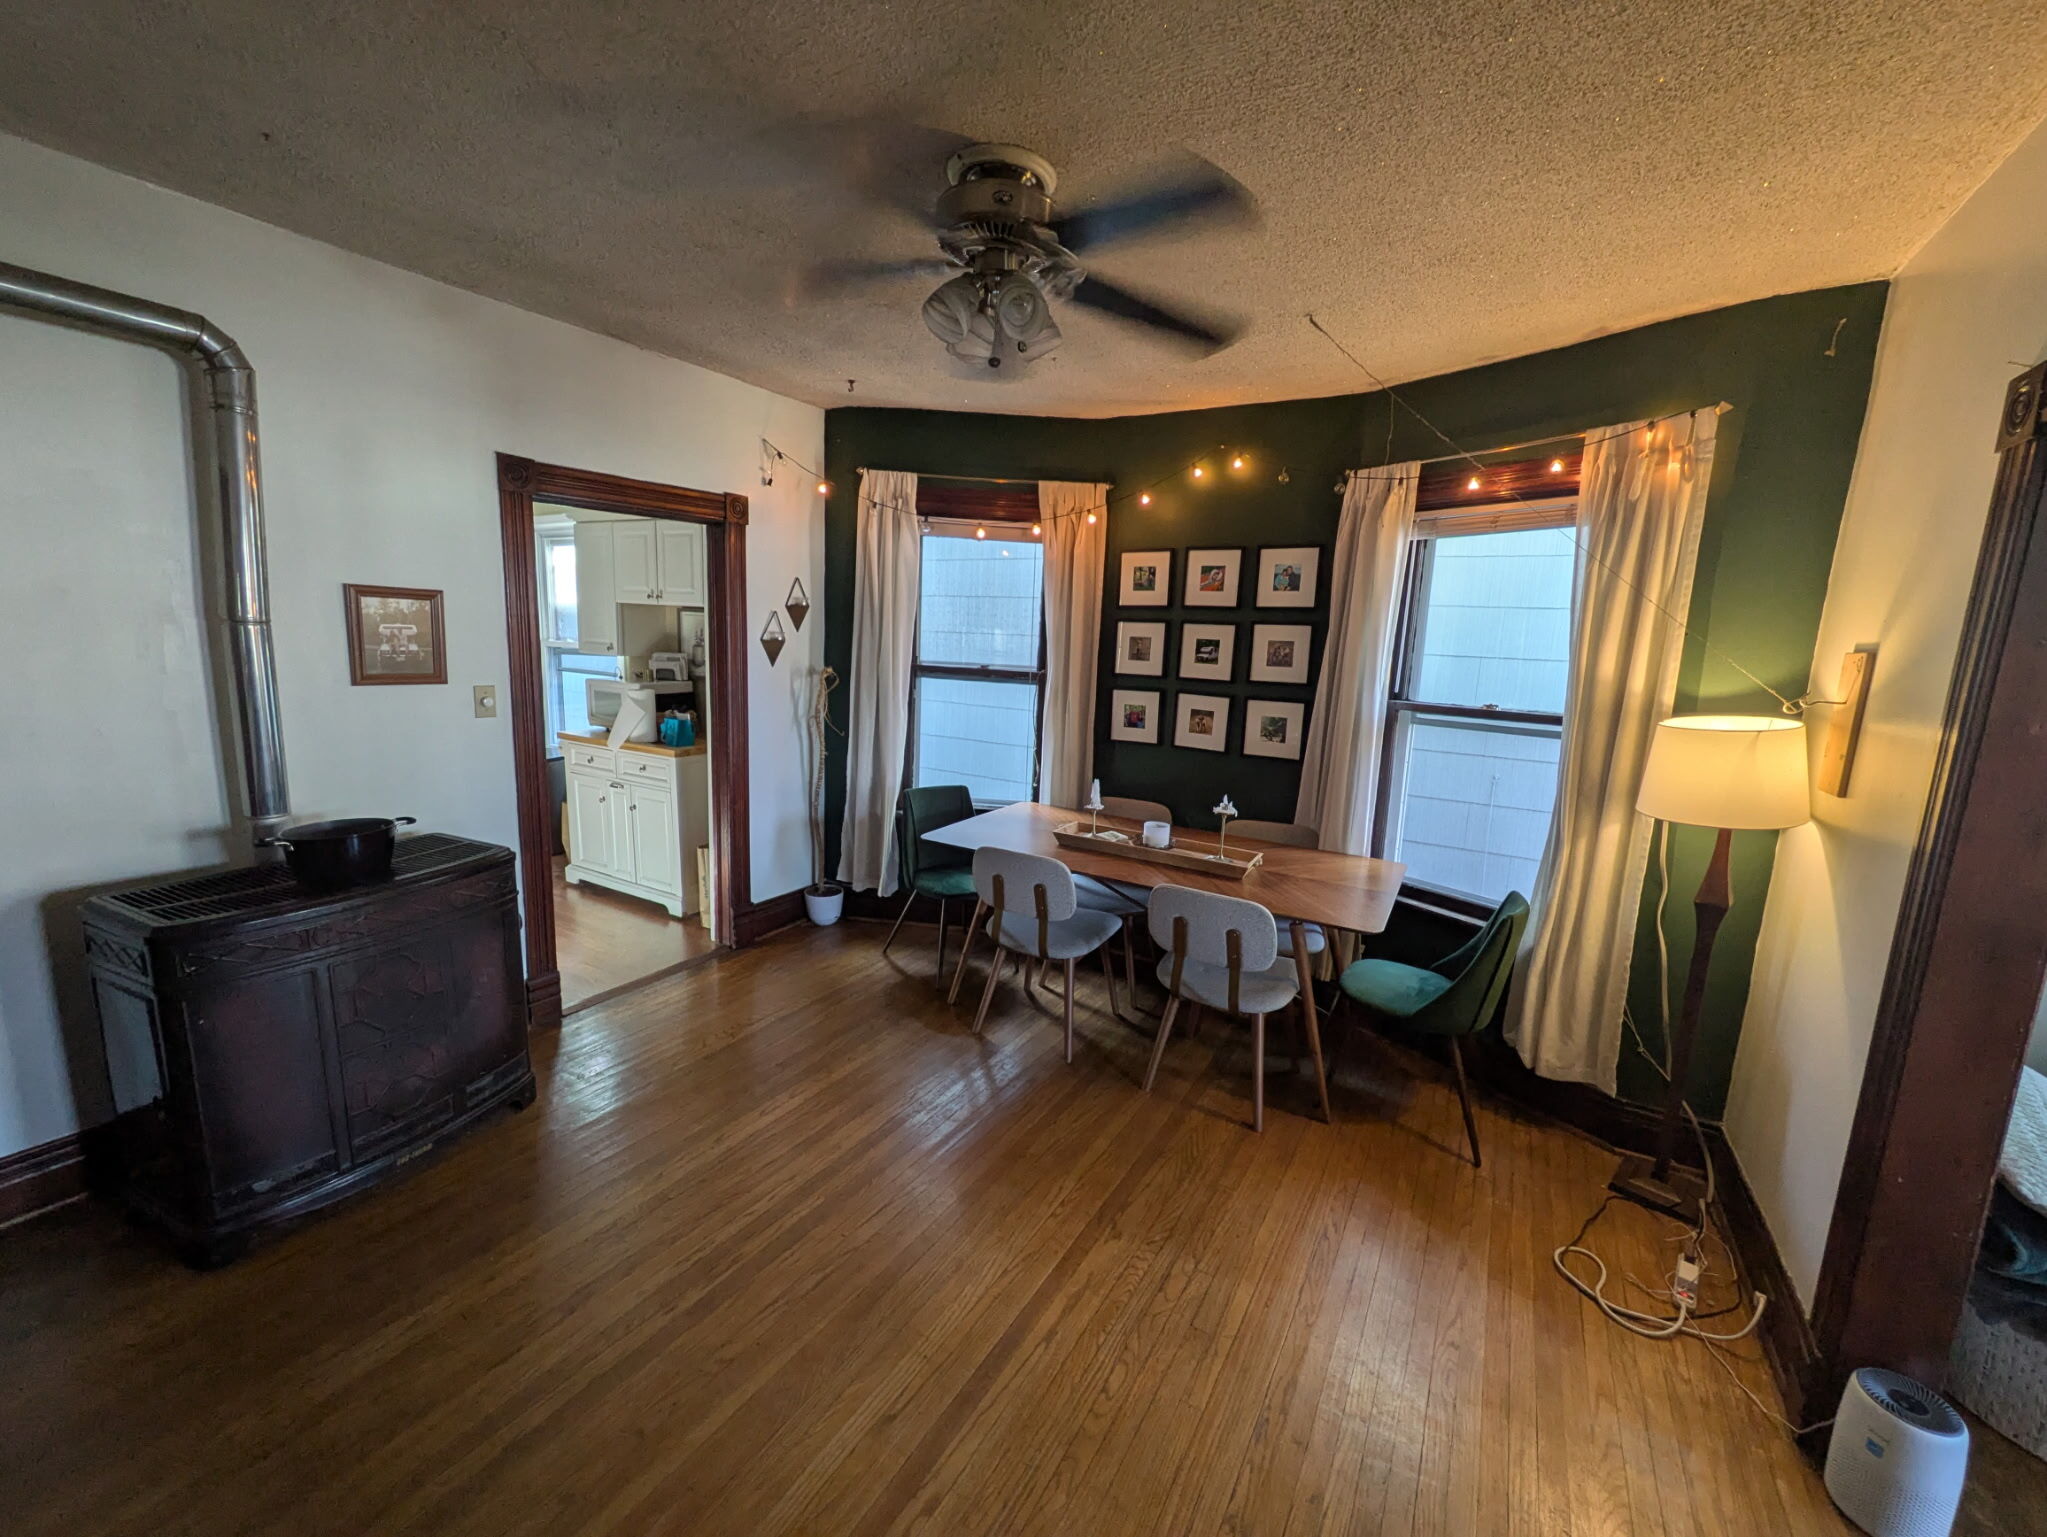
column 1298, row 885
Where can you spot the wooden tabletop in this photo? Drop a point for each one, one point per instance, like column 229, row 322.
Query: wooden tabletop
column 1343, row 891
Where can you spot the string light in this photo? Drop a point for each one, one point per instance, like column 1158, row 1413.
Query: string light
column 1238, row 461
column 980, row 533
column 1556, row 466
column 1090, row 517
column 824, row 488
column 1037, row 528
column 1198, row 472
column 1144, row 498
column 1471, row 484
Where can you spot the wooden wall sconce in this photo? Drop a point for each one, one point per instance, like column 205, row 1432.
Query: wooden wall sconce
column 1837, row 754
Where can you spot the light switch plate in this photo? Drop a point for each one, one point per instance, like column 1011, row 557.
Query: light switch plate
column 486, row 700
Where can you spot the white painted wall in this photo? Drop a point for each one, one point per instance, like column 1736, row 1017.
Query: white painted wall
column 1967, row 313
column 384, row 398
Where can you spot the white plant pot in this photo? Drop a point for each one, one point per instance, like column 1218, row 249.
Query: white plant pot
column 825, row 906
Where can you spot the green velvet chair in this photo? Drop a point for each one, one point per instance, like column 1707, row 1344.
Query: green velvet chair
column 932, row 869
column 1452, row 998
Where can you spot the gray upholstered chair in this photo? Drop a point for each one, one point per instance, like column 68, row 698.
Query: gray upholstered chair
column 1136, row 810
column 1221, row 953
column 1031, row 913
column 1297, row 835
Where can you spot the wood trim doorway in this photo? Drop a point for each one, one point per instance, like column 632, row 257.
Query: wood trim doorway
column 1967, row 962
column 736, row 920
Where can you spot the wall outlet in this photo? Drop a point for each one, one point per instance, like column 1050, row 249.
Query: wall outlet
column 486, row 701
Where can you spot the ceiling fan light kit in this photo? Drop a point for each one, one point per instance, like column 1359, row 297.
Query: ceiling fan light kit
column 1012, row 253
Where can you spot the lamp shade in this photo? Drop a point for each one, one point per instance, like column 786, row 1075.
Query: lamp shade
column 1739, row 771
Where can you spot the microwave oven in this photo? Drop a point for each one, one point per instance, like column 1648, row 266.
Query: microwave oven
column 602, row 698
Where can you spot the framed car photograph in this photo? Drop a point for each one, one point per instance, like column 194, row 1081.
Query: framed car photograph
column 1272, row 728
column 1147, row 579
column 394, row 634
column 1288, row 576
column 1201, row 720
column 1133, row 715
column 1212, row 578
column 1141, row 647
column 1208, row 651
column 1279, row 653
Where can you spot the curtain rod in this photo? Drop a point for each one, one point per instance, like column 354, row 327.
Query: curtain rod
column 1720, row 407
column 984, row 480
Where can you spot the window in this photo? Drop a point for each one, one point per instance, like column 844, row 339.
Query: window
column 1475, row 720
column 563, row 667
column 980, row 664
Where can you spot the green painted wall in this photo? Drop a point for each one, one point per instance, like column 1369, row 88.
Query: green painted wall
column 1780, row 478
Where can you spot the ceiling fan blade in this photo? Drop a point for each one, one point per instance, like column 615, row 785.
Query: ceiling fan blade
column 1209, row 336
column 1202, row 191
column 832, row 276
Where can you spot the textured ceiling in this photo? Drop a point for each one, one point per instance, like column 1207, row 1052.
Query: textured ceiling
column 1442, row 183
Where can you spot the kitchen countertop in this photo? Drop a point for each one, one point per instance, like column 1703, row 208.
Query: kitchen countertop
column 647, row 747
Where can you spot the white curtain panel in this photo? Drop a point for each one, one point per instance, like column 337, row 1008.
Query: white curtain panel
column 1340, row 760
column 885, row 586
column 1075, row 550
column 1639, row 513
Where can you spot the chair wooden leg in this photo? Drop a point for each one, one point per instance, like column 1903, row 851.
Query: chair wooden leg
column 1193, row 1019
column 966, row 946
column 1109, row 978
column 1069, row 1009
column 941, row 936
column 988, row 990
column 1258, row 1072
column 1158, row 1047
column 1464, row 1098
column 1129, row 965
column 1308, row 1019
column 898, row 923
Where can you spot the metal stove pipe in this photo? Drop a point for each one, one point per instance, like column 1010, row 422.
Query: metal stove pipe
column 231, row 398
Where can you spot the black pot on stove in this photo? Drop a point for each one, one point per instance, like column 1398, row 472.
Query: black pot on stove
column 331, row 856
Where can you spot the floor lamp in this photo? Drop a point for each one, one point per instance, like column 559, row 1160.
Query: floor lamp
column 1724, row 772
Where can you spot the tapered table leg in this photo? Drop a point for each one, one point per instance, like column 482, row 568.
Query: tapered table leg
column 1300, row 933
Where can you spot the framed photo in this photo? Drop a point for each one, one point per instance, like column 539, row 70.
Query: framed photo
column 1133, row 715
column 1212, row 578
column 1279, row 653
column 1272, row 729
column 1201, row 720
column 1288, row 576
column 395, row 635
column 1208, row 651
column 1141, row 647
column 1147, row 579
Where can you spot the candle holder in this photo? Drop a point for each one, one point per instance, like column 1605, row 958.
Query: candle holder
column 1093, row 808
column 1224, row 809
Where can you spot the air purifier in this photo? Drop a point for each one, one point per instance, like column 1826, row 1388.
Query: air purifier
column 1899, row 1453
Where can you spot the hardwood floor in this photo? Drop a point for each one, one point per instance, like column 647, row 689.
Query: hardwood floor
column 605, row 940
column 784, row 1249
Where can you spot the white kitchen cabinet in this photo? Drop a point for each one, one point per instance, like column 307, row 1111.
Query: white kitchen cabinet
column 596, row 581
column 635, row 561
column 679, row 550
column 636, row 814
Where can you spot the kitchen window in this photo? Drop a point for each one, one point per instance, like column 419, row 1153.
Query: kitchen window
column 1474, row 721
column 563, row 667
column 980, row 662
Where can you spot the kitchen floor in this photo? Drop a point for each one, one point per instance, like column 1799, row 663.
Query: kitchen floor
column 605, row 941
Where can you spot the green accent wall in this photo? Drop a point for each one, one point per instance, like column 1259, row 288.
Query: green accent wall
column 1780, row 478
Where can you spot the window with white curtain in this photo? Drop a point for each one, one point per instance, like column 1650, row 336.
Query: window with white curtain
column 1475, row 716
column 980, row 664
column 563, row 667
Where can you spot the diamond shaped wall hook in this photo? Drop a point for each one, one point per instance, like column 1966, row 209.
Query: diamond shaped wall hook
column 798, row 603
column 773, row 638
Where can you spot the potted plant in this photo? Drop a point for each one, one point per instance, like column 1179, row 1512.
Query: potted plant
column 824, row 900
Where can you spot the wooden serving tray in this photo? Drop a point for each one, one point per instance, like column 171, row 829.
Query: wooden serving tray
column 1074, row 835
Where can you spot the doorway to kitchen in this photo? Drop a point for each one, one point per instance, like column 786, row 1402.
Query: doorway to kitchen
column 624, row 607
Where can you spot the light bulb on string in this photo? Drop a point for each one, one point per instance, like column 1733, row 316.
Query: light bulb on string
column 1090, row 517
column 1197, row 472
column 1144, row 498
column 1238, row 461
column 1284, row 477
column 980, row 533
column 824, row 488
column 1037, row 528
column 1471, row 484
column 1556, row 466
